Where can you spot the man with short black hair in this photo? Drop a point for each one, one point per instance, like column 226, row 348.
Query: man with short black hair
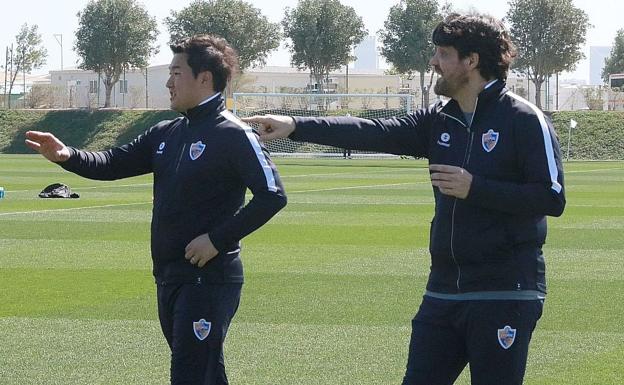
column 496, row 173
column 203, row 162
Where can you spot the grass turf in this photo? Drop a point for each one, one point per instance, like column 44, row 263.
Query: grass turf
column 331, row 283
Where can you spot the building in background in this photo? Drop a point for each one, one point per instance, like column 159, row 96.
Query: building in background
column 21, row 94
column 276, row 79
column 597, row 56
column 73, row 88
column 85, row 89
column 366, row 55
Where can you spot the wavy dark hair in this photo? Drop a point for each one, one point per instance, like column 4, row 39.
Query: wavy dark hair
column 209, row 53
column 481, row 34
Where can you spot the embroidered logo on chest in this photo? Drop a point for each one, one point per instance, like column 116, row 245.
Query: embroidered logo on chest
column 489, row 140
column 161, row 147
column 196, row 150
column 444, row 140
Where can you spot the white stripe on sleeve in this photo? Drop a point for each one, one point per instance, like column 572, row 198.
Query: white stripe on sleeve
column 550, row 154
column 253, row 140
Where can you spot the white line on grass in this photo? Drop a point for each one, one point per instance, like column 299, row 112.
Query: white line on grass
column 598, row 169
column 354, row 187
column 94, row 187
column 283, row 177
column 144, row 203
column 348, row 173
column 117, row 185
column 593, row 206
column 301, row 176
column 74, row 208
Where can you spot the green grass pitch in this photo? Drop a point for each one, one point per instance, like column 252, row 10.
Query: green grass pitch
column 332, row 282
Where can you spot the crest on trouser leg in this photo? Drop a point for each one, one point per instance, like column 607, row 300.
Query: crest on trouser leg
column 506, row 336
column 201, row 329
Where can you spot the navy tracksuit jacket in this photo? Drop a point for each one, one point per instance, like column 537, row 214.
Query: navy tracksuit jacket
column 202, row 164
column 492, row 240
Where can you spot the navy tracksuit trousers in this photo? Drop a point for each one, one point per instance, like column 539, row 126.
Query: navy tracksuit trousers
column 492, row 336
column 194, row 318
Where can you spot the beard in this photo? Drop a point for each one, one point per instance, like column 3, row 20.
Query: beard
column 441, row 87
column 448, row 86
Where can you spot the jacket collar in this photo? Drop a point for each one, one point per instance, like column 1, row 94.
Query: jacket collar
column 213, row 104
column 492, row 91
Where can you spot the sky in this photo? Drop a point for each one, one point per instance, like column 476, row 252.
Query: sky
column 60, row 18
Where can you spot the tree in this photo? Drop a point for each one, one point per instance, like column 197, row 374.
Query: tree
column 614, row 64
column 594, row 98
column 237, row 21
column 29, row 54
column 549, row 35
column 406, row 38
column 114, row 36
column 322, row 35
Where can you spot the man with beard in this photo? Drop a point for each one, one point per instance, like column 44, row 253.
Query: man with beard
column 496, row 173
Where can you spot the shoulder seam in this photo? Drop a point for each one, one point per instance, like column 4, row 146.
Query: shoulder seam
column 548, row 145
column 264, row 163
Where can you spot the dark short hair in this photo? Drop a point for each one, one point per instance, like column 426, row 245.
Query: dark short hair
column 481, row 34
column 209, row 53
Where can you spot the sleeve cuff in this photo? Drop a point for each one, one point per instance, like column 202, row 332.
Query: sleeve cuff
column 476, row 188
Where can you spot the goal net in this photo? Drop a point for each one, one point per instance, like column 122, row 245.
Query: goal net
column 369, row 106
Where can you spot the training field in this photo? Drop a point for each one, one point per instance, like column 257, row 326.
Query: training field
column 331, row 286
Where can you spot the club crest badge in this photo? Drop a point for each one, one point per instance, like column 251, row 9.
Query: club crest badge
column 201, row 329
column 161, row 147
column 506, row 336
column 196, row 150
column 489, row 140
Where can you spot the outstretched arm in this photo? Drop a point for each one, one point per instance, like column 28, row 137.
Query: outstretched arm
column 407, row 135
column 128, row 160
column 272, row 126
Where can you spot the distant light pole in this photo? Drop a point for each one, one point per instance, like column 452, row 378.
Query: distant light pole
column 6, row 68
column 557, row 91
column 11, row 76
column 347, row 77
column 547, row 92
column 146, row 93
column 24, row 78
column 59, row 39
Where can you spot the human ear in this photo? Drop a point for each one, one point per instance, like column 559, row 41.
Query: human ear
column 473, row 60
column 206, row 78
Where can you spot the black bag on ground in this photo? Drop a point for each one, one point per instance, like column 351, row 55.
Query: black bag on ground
column 57, row 190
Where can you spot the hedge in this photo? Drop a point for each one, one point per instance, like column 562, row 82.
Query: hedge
column 599, row 135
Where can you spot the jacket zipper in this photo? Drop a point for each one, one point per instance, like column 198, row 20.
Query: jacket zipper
column 180, row 157
column 464, row 164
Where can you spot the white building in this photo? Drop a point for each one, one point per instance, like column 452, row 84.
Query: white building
column 20, row 86
column 288, row 79
column 86, row 88
column 83, row 89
